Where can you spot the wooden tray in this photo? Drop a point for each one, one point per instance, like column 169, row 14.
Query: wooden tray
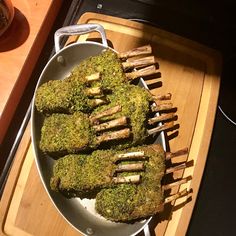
column 191, row 72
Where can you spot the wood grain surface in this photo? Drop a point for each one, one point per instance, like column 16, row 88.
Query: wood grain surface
column 20, row 47
column 191, row 72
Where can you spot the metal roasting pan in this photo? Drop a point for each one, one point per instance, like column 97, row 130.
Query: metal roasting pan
column 79, row 213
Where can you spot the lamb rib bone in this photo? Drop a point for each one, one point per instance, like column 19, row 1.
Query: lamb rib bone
column 162, row 97
column 127, row 179
column 170, row 155
column 131, row 155
column 98, row 101
column 175, row 196
column 176, row 168
column 174, row 184
column 159, row 118
column 146, row 71
column 143, row 50
column 94, row 91
column 140, row 62
column 130, row 167
column 108, row 112
column 93, row 77
column 160, row 128
column 155, row 107
column 111, row 124
column 120, row 134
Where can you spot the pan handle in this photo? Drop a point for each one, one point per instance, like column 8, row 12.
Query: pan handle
column 78, row 30
column 146, row 231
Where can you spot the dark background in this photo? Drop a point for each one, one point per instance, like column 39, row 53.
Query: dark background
column 212, row 23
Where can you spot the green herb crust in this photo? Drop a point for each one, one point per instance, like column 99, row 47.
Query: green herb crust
column 128, row 202
column 82, row 174
column 135, row 103
column 63, row 133
column 109, row 66
column 68, row 95
column 55, row 95
column 63, row 96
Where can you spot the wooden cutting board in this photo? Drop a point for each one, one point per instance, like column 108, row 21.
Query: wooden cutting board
column 191, row 72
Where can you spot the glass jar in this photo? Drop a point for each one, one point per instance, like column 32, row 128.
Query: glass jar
column 6, row 15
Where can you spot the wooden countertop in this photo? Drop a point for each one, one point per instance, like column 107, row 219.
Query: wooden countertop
column 20, row 48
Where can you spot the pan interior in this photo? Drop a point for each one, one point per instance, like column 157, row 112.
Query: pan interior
column 80, row 213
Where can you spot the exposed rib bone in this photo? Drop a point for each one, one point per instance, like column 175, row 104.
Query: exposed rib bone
column 161, row 106
column 136, row 52
column 98, row 101
column 162, row 117
column 131, row 155
column 130, row 167
column 124, row 133
column 140, row 62
column 93, row 77
column 175, row 196
column 176, row 183
column 162, row 97
column 94, row 91
column 160, row 128
column 175, row 168
column 107, row 112
column 170, row 155
column 111, row 124
column 150, row 70
column 166, row 96
column 127, row 179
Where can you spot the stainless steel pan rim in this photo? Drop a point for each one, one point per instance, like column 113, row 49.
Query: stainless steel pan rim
column 80, row 214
